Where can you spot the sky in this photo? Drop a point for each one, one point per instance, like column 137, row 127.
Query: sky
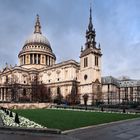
column 64, row 23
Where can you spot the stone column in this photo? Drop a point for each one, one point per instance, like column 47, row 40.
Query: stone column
column 23, row 60
column 52, row 61
column 40, row 59
column 36, row 58
column 26, row 57
column 45, row 59
column 29, row 59
column 49, row 60
column 33, row 59
column 20, row 60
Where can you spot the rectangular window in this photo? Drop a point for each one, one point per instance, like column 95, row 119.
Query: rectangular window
column 96, row 61
column 85, row 62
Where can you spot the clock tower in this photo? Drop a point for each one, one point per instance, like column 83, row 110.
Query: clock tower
column 90, row 66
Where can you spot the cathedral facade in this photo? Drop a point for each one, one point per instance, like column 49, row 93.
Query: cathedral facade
column 37, row 64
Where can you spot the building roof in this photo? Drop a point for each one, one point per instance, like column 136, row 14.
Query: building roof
column 110, row 80
column 120, row 83
column 37, row 38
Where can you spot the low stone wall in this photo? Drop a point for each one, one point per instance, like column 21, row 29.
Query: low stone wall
column 25, row 105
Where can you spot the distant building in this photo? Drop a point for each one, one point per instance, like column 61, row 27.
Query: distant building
column 37, row 63
column 117, row 91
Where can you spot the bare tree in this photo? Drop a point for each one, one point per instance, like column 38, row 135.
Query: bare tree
column 73, row 98
column 34, row 85
column 40, row 92
column 14, row 87
column 59, row 96
column 43, row 94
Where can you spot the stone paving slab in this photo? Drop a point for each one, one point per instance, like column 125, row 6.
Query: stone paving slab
column 125, row 136
column 129, row 130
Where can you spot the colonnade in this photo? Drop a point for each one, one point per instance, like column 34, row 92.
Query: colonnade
column 3, row 93
column 37, row 59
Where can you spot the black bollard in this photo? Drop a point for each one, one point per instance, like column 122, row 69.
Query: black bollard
column 124, row 110
column 11, row 114
column 102, row 109
column 7, row 112
column 17, row 119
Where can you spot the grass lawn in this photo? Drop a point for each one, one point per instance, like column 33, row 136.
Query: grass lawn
column 65, row 120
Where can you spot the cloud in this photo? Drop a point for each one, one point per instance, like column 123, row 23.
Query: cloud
column 64, row 22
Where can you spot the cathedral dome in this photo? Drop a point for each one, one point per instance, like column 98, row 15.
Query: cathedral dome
column 36, row 51
column 37, row 38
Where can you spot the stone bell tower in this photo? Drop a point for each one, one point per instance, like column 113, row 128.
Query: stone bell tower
column 90, row 66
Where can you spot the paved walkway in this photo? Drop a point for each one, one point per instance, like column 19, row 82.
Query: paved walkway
column 129, row 130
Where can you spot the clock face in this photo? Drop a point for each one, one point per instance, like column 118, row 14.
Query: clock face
column 85, row 77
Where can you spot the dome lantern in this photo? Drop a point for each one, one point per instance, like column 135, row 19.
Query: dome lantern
column 37, row 25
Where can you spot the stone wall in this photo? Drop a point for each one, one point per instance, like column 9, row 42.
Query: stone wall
column 25, row 105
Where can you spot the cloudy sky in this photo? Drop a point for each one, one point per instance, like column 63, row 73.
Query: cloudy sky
column 64, row 22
